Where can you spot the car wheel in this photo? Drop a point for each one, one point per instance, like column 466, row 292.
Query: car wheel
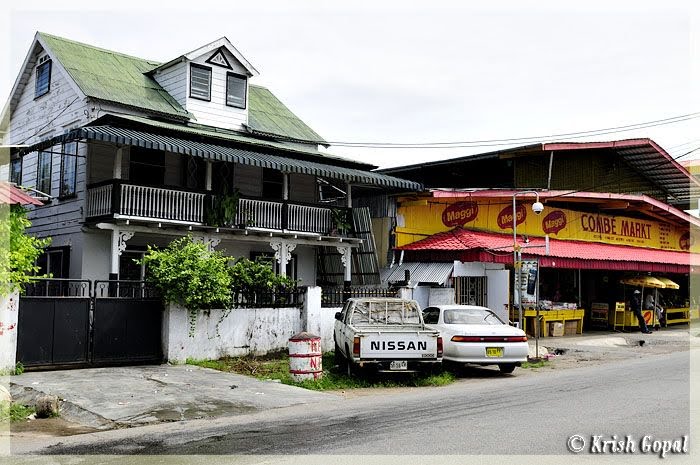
column 506, row 367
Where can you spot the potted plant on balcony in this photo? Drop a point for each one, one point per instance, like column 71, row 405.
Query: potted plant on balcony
column 340, row 222
column 222, row 209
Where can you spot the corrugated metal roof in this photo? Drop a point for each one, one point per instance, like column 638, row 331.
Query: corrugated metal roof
column 562, row 253
column 431, row 273
column 268, row 115
column 644, row 155
column 9, row 194
column 235, row 155
column 112, row 76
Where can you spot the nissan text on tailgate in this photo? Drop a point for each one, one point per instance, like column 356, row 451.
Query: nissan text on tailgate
column 386, row 334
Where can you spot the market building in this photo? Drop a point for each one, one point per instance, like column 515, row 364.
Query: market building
column 612, row 212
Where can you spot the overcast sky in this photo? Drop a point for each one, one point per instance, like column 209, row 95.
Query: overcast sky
column 419, row 71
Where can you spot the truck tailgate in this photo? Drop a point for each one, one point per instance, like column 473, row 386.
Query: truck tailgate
column 398, row 345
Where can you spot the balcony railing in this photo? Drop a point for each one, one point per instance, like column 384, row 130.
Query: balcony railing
column 162, row 204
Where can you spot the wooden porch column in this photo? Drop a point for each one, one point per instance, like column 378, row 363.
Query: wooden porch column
column 285, row 186
column 207, row 179
column 119, row 238
column 117, row 169
column 349, row 194
column 283, row 251
column 346, row 258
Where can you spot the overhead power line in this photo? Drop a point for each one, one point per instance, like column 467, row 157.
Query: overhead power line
column 518, row 140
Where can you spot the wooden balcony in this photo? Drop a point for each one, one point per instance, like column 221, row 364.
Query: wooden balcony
column 117, row 199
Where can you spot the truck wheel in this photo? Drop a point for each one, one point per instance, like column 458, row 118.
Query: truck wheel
column 349, row 369
column 338, row 357
column 506, row 368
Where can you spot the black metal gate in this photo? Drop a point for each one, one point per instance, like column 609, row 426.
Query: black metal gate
column 53, row 324
column 127, row 323
column 71, row 323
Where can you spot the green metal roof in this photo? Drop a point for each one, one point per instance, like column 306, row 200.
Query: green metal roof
column 267, row 115
column 236, row 136
column 113, row 77
column 123, row 79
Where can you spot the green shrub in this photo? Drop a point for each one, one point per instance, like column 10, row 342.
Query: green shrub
column 188, row 273
column 18, row 251
column 253, row 276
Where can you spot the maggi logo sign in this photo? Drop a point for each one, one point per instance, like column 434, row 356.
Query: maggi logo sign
column 460, row 213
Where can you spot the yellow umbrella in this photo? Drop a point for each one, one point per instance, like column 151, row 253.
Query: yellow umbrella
column 644, row 281
column 669, row 284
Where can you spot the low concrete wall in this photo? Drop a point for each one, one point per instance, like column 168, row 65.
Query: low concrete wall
column 244, row 331
column 9, row 306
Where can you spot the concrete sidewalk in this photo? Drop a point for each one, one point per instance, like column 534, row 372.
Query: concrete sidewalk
column 616, row 344
column 105, row 398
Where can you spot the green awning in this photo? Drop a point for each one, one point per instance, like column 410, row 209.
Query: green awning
column 216, row 152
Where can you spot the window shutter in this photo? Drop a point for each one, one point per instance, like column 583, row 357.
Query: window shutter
column 235, row 90
column 200, row 82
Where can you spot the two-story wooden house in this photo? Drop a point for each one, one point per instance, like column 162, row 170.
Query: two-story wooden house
column 132, row 152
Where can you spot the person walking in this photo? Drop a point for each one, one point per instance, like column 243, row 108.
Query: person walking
column 636, row 305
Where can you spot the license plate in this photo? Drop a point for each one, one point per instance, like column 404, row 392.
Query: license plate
column 494, row 351
column 398, row 365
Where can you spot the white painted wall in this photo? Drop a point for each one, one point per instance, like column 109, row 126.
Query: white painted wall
column 244, row 331
column 241, row 332
column 9, row 306
column 468, row 269
column 49, row 115
column 216, row 112
column 96, row 248
column 174, row 80
column 421, row 294
column 442, row 296
column 498, row 292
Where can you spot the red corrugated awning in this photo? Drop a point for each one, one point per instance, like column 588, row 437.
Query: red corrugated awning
column 467, row 245
column 9, row 194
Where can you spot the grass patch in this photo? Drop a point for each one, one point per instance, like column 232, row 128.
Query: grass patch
column 14, row 412
column 276, row 366
column 537, row 364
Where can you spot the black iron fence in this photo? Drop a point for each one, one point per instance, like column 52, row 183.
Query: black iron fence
column 125, row 289
column 57, row 287
column 336, row 296
column 247, row 298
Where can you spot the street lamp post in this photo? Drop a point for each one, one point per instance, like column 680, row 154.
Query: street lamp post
column 537, row 207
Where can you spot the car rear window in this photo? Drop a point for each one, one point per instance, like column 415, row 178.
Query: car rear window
column 462, row 316
column 385, row 313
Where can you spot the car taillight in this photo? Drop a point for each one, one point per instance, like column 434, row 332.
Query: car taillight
column 489, row 339
column 439, row 347
column 356, row 347
column 466, row 339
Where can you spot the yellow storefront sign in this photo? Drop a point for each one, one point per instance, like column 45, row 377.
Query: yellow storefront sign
column 417, row 220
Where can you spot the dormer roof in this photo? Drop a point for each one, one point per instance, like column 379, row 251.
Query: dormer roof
column 210, row 47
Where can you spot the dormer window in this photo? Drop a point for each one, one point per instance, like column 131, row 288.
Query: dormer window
column 43, row 77
column 200, row 82
column 236, row 87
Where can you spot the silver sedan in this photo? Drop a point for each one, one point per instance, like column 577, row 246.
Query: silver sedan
column 475, row 335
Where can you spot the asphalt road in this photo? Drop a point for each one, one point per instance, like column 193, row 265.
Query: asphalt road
column 481, row 414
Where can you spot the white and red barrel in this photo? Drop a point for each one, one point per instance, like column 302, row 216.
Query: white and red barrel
column 305, row 358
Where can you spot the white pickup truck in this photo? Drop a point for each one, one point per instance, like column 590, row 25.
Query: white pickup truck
column 386, row 334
